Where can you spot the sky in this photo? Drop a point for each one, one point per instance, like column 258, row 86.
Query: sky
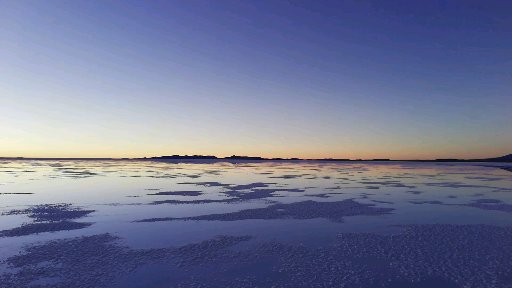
column 312, row 79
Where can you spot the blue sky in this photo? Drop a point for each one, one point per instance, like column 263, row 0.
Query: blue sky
column 358, row 79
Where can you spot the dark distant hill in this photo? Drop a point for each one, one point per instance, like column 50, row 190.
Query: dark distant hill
column 185, row 157
column 235, row 157
column 506, row 158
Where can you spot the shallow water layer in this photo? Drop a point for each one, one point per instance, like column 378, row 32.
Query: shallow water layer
column 254, row 224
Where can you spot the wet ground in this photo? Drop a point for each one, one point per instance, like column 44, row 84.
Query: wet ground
column 268, row 224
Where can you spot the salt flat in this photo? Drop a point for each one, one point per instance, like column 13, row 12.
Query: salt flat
column 115, row 223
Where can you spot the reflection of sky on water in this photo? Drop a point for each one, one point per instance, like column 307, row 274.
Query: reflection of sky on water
column 122, row 192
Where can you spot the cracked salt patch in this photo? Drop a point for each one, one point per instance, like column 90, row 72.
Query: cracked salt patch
column 259, row 193
column 485, row 204
column 36, row 228
column 47, row 218
column 234, row 193
column 439, row 255
column 489, row 205
column 250, row 186
column 52, row 212
column 334, row 211
column 442, row 255
column 203, row 201
column 206, row 184
column 463, row 255
column 177, row 193
column 98, row 260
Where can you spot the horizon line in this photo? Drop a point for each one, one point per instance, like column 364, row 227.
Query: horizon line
column 504, row 158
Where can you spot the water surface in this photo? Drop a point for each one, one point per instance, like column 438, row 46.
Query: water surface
column 254, row 224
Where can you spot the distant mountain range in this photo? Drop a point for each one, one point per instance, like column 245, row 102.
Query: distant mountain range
column 504, row 159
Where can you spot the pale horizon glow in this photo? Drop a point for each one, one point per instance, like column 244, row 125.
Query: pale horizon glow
column 397, row 80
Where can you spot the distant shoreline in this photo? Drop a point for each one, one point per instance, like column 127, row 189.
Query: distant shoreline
column 212, row 159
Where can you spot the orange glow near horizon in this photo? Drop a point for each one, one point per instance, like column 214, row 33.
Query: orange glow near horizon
column 113, row 152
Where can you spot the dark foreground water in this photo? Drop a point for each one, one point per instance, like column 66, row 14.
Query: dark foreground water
column 304, row 224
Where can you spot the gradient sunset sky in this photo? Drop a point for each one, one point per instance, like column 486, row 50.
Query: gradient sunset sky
column 349, row 79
